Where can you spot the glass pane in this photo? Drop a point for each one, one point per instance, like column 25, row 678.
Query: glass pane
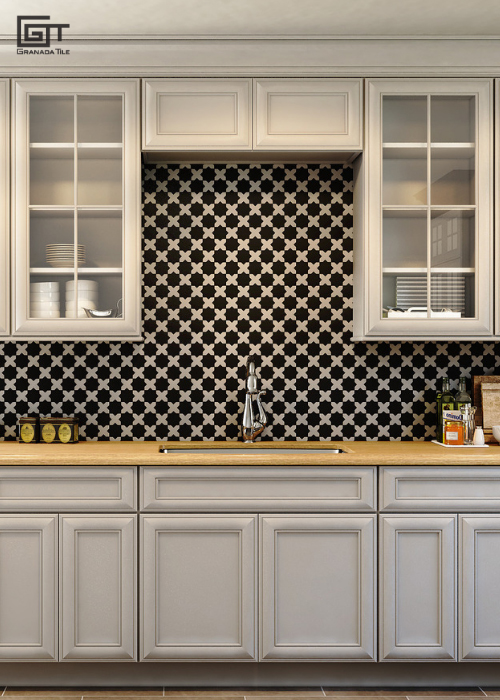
column 99, row 119
column 51, row 119
column 405, row 239
column 453, row 119
column 452, row 176
column 404, row 119
column 100, row 176
column 452, row 295
column 406, row 292
column 404, row 176
column 51, row 176
column 101, row 234
column 453, row 239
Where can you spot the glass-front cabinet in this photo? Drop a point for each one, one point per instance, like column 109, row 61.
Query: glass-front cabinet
column 76, row 208
column 426, row 231
column 4, row 208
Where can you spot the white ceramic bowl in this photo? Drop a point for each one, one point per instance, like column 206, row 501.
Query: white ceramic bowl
column 44, row 305
column 82, row 303
column 82, row 294
column 38, row 287
column 82, row 284
column 496, row 432
column 44, row 296
column 44, row 313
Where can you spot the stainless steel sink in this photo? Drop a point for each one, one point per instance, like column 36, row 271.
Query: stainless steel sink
column 245, row 451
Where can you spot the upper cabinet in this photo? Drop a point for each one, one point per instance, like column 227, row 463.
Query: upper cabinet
column 223, row 114
column 307, row 115
column 76, row 208
column 4, row 207
column 210, row 114
column 423, row 211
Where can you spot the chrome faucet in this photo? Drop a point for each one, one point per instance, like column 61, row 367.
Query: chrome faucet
column 254, row 417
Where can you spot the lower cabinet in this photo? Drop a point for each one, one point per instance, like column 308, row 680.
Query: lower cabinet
column 94, row 577
column 317, row 587
column 198, row 583
column 418, row 604
column 28, row 587
column 97, row 588
column 479, row 598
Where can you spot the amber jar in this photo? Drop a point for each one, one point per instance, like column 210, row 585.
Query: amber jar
column 59, row 430
column 28, row 429
column 453, row 432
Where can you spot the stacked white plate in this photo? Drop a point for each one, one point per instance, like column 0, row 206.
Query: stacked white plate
column 44, row 300
column 88, row 295
column 63, row 254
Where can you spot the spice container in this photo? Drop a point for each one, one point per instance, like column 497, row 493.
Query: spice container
column 59, row 430
column 28, row 429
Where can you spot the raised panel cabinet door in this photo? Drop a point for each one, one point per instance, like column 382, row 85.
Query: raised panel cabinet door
column 196, row 115
column 198, row 587
column 317, row 587
column 418, row 588
column 479, row 598
column 305, row 114
column 28, row 588
column 98, row 588
column 4, row 208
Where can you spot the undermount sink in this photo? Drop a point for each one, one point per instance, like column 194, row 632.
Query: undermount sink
column 245, row 451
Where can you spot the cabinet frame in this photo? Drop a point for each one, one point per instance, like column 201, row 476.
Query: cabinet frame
column 368, row 321
column 128, row 327
column 4, row 208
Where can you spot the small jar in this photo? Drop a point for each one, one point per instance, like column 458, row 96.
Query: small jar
column 59, row 430
column 453, row 432
column 28, row 429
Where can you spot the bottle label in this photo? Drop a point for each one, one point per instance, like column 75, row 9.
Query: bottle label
column 27, row 433
column 448, row 406
column 64, row 433
column 48, row 433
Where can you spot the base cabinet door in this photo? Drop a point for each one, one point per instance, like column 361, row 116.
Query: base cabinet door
column 98, row 588
column 418, row 588
column 317, row 587
column 28, row 587
column 480, row 574
column 199, row 587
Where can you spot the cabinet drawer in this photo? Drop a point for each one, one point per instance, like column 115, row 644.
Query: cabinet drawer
column 67, row 489
column 440, row 488
column 257, row 488
column 190, row 114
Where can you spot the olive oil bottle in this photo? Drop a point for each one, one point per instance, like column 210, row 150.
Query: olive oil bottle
column 462, row 398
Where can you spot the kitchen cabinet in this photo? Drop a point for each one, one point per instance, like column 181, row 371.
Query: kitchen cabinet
column 307, row 115
column 76, row 208
column 317, row 587
column 28, row 587
column 418, row 602
column 97, row 587
column 423, row 211
column 4, row 208
column 210, row 114
column 479, row 575
column 198, row 583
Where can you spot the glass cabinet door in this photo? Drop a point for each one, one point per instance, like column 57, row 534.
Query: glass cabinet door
column 429, row 209
column 77, row 257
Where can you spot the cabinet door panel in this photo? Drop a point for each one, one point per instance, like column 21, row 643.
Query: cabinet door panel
column 28, row 587
column 480, row 573
column 418, row 587
column 317, row 587
column 190, row 114
column 4, row 207
column 198, row 583
column 97, row 601
column 306, row 114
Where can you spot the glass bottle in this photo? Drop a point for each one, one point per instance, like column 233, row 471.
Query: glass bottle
column 462, row 398
column 445, row 403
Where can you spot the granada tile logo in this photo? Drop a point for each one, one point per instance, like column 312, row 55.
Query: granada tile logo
column 34, row 35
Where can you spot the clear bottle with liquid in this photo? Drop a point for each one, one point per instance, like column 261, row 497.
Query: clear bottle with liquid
column 462, row 398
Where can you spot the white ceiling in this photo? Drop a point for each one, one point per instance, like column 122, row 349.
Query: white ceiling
column 172, row 18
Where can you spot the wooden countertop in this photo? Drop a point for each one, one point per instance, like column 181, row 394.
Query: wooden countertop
column 147, row 453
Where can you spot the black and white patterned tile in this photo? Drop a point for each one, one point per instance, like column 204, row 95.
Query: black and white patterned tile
column 239, row 260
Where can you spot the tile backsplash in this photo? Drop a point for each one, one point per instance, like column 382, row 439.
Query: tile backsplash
column 241, row 259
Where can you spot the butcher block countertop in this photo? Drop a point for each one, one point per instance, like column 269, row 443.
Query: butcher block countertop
column 147, row 454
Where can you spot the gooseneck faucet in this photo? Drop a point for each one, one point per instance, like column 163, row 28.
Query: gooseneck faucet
column 254, row 416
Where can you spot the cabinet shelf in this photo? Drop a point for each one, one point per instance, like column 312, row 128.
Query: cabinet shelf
column 82, row 271
column 423, row 270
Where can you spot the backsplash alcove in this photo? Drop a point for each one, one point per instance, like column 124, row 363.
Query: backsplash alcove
column 241, row 259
